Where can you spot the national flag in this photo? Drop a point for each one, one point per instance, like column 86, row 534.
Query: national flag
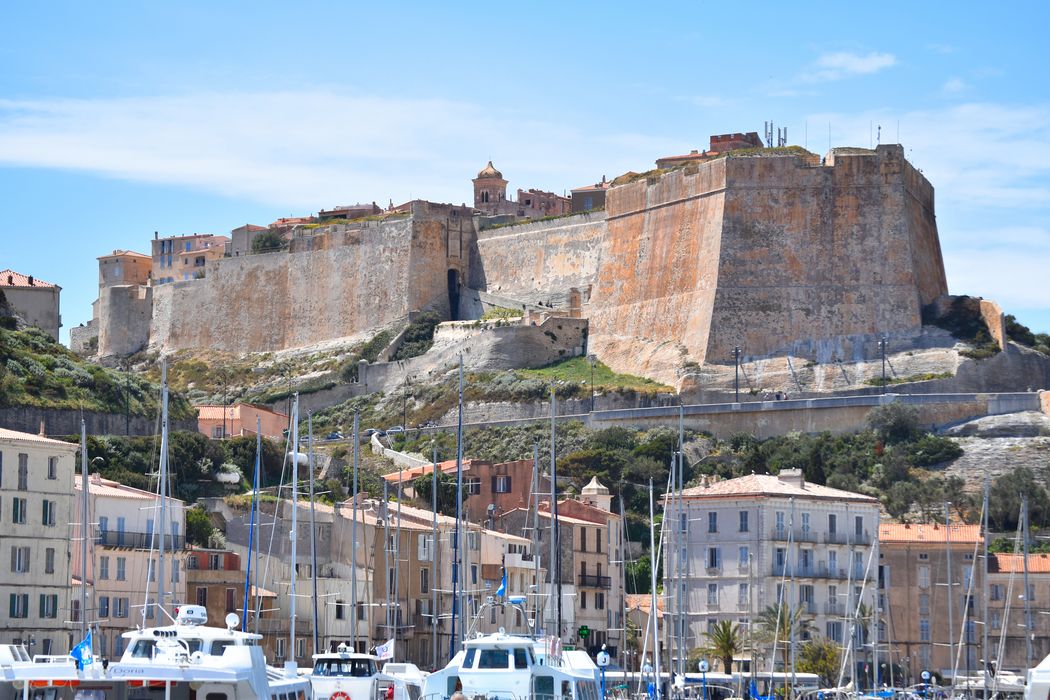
column 81, row 653
column 502, row 590
column 385, row 651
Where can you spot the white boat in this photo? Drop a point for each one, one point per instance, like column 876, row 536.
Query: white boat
column 347, row 675
column 181, row 661
column 502, row 666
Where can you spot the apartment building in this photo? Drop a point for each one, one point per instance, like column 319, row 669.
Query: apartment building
column 36, row 500
column 180, row 258
column 735, row 547
column 920, row 596
column 123, row 560
column 33, row 300
column 1006, row 620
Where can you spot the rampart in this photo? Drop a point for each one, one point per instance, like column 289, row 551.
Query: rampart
column 768, row 253
column 124, row 314
column 335, row 282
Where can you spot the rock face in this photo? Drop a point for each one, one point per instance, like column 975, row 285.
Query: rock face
column 1027, row 424
column 772, row 254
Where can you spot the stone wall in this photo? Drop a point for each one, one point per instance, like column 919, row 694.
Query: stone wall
column 124, row 317
column 27, row 419
column 539, row 262
column 334, row 282
column 768, row 253
column 992, row 315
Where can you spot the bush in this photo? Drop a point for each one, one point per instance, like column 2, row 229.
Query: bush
column 267, row 241
column 368, row 352
column 419, row 336
column 894, row 422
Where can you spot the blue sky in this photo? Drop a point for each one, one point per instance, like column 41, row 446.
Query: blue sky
column 119, row 119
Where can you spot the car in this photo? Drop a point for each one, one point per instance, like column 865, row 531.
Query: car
column 374, row 431
column 334, row 436
column 395, row 429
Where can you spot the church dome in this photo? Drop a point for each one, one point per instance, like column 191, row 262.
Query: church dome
column 595, row 488
column 490, row 172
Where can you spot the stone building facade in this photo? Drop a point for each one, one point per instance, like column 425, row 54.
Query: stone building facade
column 33, row 300
column 1006, row 620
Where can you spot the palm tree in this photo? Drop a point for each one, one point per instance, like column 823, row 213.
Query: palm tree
column 724, row 643
column 777, row 625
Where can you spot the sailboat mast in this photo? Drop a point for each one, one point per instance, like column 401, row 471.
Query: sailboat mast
column 435, row 557
column 984, row 587
column 386, row 549
column 453, row 642
column 85, row 503
column 162, row 490
column 293, row 534
column 654, row 614
column 251, row 524
column 951, row 591
column 534, row 502
column 1027, row 589
column 555, row 525
column 683, row 537
column 353, row 532
column 397, row 561
column 313, row 528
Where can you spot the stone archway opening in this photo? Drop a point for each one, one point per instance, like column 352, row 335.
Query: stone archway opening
column 453, row 295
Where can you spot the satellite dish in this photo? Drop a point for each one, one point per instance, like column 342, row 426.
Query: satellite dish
column 232, row 621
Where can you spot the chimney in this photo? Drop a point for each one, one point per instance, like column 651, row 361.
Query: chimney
column 30, row 278
column 793, row 477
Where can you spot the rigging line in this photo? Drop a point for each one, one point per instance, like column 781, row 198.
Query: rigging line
column 654, row 614
column 969, row 602
column 276, row 512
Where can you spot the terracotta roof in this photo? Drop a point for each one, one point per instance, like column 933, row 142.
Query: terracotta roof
column 124, row 254
column 214, row 412
column 1014, row 563
column 933, row 533
column 769, row 485
column 17, row 436
column 10, row 278
column 98, row 486
column 407, row 475
column 644, row 602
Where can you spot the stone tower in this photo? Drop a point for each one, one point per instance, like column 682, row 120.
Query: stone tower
column 490, row 189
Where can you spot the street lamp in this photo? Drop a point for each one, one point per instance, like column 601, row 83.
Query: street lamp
column 882, row 350
column 736, row 375
column 593, row 360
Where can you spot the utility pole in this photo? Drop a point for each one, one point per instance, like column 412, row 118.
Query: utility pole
column 882, row 348
column 736, row 377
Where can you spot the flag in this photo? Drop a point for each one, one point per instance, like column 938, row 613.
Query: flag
column 81, row 653
column 385, row 651
column 502, row 590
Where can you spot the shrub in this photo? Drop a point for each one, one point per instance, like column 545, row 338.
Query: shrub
column 419, row 336
column 267, row 241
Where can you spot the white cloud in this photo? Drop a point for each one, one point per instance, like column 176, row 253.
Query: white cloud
column 309, row 149
column 954, row 85
column 844, row 64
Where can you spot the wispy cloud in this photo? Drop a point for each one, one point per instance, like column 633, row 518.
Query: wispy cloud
column 845, row 64
column 309, row 149
column 954, row 86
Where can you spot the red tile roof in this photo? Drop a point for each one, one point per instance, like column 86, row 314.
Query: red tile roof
column 123, row 254
column 6, row 434
column 770, row 485
column 10, row 278
column 933, row 533
column 1014, row 563
column 406, row 475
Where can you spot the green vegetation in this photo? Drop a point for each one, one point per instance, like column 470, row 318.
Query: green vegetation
column 723, row 641
column 268, row 241
column 924, row 377
column 369, row 351
column 823, row 657
column 198, row 526
column 419, row 336
column 36, row 370
column 501, row 312
column 1023, row 335
column 963, row 320
column 577, row 371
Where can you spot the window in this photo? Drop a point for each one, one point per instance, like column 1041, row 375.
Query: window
column 743, row 521
column 744, row 557
column 473, row 574
column 175, row 571
column 340, row 610
column 103, row 527
column 20, row 560
column 18, row 511
column 924, row 630
column 714, row 558
column 997, row 619
column 49, row 560
column 23, row 472
column 858, row 526
column 48, row 516
column 231, row 602
column 75, row 610
column 832, row 523
column 19, row 605
column 280, row 647
column 120, row 530
column 805, row 523
column 424, row 548
column 779, row 559
column 780, row 526
column 834, row 631
column 122, row 568
column 120, row 607
column 472, row 485
column 216, row 432
column 712, row 522
column 214, row 563
column 583, row 539
column 52, row 468
column 744, row 594
column 712, row 594
column 501, row 484
column 424, row 580
column 103, row 568
column 202, row 596
column 583, row 600
column 924, row 577
column 103, row 606
column 48, row 606
column 521, row 658
column 924, row 556
column 833, row 561
column 924, row 603
column 599, row 601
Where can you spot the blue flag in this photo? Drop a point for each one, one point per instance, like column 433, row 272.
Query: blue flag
column 81, row 653
column 503, row 585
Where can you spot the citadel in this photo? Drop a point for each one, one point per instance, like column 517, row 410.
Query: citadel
column 769, row 254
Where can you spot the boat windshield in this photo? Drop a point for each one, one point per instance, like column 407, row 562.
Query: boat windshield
column 493, row 658
column 357, row 668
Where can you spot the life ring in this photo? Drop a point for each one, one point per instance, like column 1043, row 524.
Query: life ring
column 339, row 695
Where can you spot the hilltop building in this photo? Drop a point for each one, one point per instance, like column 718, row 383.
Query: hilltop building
column 36, row 490
column 590, row 197
column 218, row 421
column 183, row 258
column 761, row 541
column 33, row 300
column 720, row 144
column 490, row 198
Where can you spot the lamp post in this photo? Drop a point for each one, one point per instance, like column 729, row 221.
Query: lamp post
column 736, row 375
column 882, row 350
column 593, row 360
column 127, row 396
column 225, row 401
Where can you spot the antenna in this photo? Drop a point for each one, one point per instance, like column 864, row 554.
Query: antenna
column 878, row 136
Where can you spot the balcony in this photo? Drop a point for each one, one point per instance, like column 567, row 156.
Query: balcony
column 808, row 607
column 835, row 609
column 139, row 540
column 821, row 570
column 592, row 581
column 847, row 538
column 785, row 534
